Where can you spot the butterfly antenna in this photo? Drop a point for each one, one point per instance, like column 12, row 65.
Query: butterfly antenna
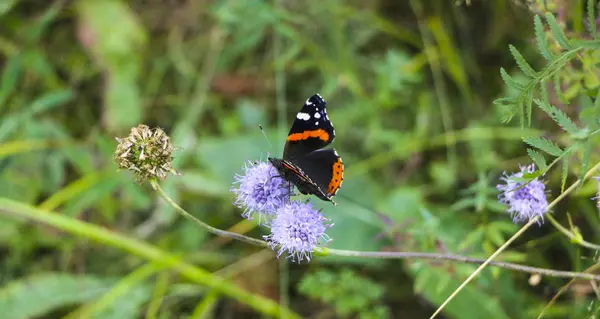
column 265, row 135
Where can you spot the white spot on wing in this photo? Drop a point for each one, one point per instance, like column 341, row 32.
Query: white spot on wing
column 303, row 116
column 308, row 102
column 317, row 115
column 317, row 123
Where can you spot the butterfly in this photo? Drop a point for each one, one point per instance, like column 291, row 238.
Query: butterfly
column 312, row 168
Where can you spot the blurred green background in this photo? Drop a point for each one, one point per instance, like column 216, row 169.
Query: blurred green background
column 409, row 86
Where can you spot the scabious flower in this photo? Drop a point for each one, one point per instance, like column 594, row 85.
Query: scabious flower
column 525, row 201
column 260, row 190
column 297, row 228
column 147, row 152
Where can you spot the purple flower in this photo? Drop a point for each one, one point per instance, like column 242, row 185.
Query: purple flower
column 525, row 201
column 260, row 190
column 297, row 228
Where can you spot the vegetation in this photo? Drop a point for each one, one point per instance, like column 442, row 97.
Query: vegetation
column 432, row 102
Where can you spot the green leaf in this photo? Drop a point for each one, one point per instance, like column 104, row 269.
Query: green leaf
column 557, row 32
column 494, row 235
column 10, row 76
column 472, row 237
column 558, row 116
column 504, row 101
column 49, row 100
column 521, row 63
column 510, row 81
column 544, row 145
column 540, row 37
column 37, row 295
column 537, row 158
column 522, row 116
column 585, row 158
column 529, row 108
column 591, row 18
column 565, row 172
column 508, row 112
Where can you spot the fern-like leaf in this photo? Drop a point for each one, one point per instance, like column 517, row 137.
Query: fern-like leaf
column 565, row 172
column 510, row 81
column 540, row 38
column 585, row 159
column 543, row 145
column 537, row 158
column 591, row 19
column 557, row 32
column 558, row 116
column 521, row 63
column 504, row 101
column 529, row 108
column 521, row 114
column 507, row 107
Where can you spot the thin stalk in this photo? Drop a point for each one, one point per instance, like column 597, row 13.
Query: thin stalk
column 563, row 289
column 380, row 254
column 202, row 224
column 576, row 239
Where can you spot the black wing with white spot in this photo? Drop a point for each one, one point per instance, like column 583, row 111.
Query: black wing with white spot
column 311, row 129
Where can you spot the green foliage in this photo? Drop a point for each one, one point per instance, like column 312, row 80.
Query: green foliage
column 40, row 294
column 348, row 292
column 521, row 103
column 526, row 95
column 544, row 145
column 408, row 85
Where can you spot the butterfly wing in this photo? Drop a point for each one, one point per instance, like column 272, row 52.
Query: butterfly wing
column 311, row 130
column 325, row 168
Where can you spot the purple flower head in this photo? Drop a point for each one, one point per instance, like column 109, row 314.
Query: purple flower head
column 525, row 201
column 260, row 190
column 297, row 228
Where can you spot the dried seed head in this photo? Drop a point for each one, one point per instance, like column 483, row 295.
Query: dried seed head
column 147, row 152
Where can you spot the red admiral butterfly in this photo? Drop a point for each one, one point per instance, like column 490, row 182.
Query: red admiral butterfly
column 306, row 164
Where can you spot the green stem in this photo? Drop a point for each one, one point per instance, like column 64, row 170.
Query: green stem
column 146, row 251
column 575, row 238
column 380, row 254
column 202, row 224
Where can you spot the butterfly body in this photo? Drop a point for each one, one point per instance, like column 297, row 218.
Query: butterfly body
column 313, row 169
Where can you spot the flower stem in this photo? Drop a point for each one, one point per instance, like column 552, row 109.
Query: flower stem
column 458, row 258
column 202, row 224
column 379, row 254
column 514, row 237
column 574, row 237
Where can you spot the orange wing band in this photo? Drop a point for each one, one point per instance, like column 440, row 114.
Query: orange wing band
column 320, row 134
column 337, row 178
